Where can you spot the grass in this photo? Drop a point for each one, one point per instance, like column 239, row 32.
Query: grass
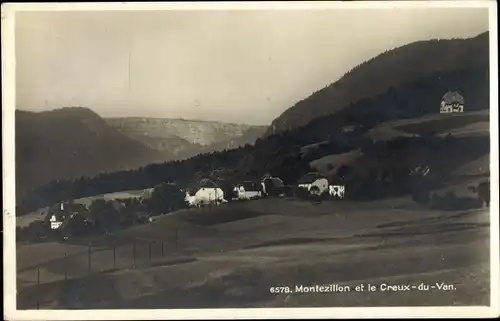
column 335, row 160
column 443, row 125
column 232, row 262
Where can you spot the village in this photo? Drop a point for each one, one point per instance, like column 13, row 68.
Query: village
column 203, row 194
column 74, row 217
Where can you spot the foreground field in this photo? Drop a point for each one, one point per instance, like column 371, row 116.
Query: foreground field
column 232, row 255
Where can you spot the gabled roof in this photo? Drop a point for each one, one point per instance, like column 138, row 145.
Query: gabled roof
column 249, row 185
column 275, row 181
column 453, row 97
column 206, row 183
column 310, row 178
column 69, row 209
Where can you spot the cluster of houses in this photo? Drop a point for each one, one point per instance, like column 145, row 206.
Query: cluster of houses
column 208, row 192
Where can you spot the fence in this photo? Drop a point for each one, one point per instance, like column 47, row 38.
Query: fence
column 106, row 256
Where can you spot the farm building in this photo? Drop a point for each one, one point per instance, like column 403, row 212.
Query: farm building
column 452, row 102
column 336, row 191
column 247, row 190
column 272, row 186
column 315, row 183
column 204, row 192
column 348, row 129
column 60, row 214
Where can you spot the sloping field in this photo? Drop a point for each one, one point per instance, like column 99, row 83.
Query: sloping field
column 386, row 133
column 25, row 220
column 115, row 195
column 457, row 124
column 479, row 166
column 322, row 164
column 286, row 242
column 472, row 115
column 477, row 128
column 444, row 124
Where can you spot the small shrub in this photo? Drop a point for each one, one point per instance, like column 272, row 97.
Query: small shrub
column 421, row 197
column 302, row 193
column 451, row 202
column 483, row 191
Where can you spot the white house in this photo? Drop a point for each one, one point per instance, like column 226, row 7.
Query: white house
column 314, row 183
column 452, row 102
column 336, row 190
column 207, row 192
column 247, row 190
column 55, row 223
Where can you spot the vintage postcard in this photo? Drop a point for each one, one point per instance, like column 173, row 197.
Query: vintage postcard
column 251, row 160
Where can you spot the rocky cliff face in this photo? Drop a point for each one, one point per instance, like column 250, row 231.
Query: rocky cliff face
column 185, row 138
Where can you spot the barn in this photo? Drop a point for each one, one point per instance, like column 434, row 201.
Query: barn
column 204, row 192
column 59, row 215
column 247, row 190
column 314, row 183
column 272, row 186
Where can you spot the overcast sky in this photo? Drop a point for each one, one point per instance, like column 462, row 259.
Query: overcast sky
column 231, row 66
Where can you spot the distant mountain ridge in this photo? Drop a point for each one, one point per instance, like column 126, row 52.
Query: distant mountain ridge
column 69, row 143
column 398, row 66
column 185, row 138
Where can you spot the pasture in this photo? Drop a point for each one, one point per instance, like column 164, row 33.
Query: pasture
column 230, row 256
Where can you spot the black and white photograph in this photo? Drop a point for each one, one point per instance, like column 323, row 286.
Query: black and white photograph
column 250, row 160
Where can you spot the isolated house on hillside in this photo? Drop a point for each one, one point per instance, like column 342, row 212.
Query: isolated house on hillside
column 452, row 102
column 315, row 183
column 204, row 192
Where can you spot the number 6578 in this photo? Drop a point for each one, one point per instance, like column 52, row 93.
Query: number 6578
column 280, row 289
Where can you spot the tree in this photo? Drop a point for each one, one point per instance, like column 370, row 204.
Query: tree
column 105, row 215
column 166, row 198
column 483, row 191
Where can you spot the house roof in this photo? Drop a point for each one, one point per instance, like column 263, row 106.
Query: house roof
column 203, row 183
column 309, row 178
column 68, row 210
column 453, row 97
column 275, row 181
column 249, row 185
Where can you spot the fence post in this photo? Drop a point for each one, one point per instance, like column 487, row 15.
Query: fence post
column 65, row 267
column 38, row 287
column 90, row 257
column 133, row 251
column 162, row 247
column 114, row 256
column 176, row 238
column 149, row 244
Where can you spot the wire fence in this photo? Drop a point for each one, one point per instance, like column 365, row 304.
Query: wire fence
column 97, row 259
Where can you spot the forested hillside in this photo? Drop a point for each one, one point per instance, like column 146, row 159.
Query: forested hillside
column 392, row 68
column 70, row 143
